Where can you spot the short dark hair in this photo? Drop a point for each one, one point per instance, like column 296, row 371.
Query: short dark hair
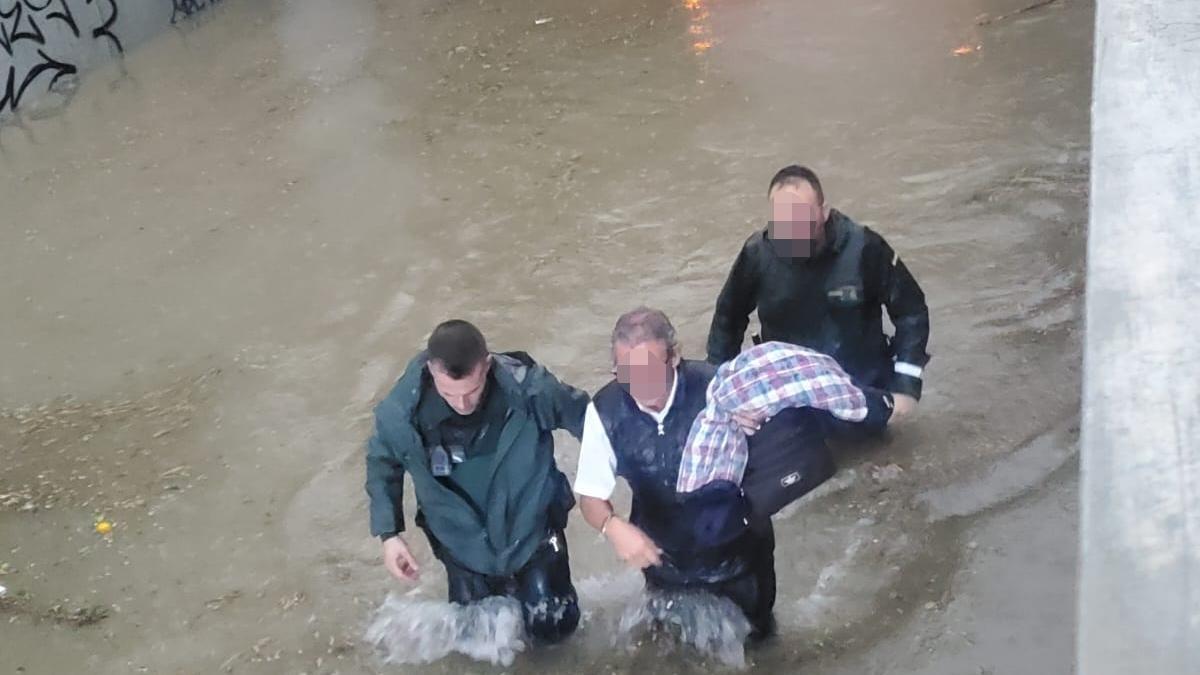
column 458, row 347
column 794, row 174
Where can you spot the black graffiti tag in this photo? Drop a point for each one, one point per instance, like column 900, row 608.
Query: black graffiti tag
column 105, row 29
column 186, row 8
column 23, row 25
column 43, row 41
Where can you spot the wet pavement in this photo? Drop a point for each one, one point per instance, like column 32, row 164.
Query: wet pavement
column 226, row 247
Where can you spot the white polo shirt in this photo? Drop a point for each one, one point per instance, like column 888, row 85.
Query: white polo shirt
column 597, row 472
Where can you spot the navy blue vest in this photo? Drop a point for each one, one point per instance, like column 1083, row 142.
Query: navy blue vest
column 648, row 459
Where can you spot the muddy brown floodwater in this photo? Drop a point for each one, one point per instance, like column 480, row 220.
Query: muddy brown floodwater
column 223, row 251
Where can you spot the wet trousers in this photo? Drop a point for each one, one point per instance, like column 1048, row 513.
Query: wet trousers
column 753, row 591
column 549, row 604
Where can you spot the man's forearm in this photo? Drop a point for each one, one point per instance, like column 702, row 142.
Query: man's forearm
column 880, row 403
column 596, row 512
column 910, row 315
column 731, row 316
column 727, row 331
column 385, row 490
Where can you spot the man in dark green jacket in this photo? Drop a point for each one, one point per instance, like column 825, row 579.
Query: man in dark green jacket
column 474, row 431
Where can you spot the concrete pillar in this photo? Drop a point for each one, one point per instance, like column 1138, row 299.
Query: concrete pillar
column 1139, row 593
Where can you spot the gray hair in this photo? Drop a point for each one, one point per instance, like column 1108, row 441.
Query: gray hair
column 645, row 324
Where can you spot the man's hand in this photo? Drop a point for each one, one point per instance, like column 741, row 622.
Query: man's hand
column 905, row 406
column 632, row 545
column 749, row 423
column 399, row 560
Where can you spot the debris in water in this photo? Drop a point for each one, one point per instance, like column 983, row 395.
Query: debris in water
column 540, row 22
column 967, row 49
column 883, row 474
column 219, row 602
column 103, row 527
column 289, row 603
column 79, row 617
column 169, row 473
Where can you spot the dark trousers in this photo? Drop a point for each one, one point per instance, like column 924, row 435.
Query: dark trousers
column 753, row 591
column 789, row 442
column 549, row 604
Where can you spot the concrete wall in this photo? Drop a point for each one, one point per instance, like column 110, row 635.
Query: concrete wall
column 1139, row 595
column 46, row 44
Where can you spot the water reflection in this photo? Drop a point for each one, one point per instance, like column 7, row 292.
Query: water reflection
column 699, row 27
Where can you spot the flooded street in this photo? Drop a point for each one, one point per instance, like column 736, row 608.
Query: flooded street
column 224, row 250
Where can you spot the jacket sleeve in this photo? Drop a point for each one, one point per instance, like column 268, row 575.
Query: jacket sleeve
column 905, row 303
column 566, row 403
column 879, row 410
column 732, row 314
column 385, row 484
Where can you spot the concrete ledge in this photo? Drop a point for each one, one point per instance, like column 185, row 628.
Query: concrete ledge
column 1139, row 600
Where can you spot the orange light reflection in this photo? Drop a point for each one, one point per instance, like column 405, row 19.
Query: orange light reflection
column 699, row 26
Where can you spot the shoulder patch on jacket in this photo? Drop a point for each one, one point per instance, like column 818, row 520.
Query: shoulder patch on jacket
column 516, row 366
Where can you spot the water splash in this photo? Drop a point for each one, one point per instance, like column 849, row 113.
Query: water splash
column 611, row 589
column 407, row 631
column 712, row 625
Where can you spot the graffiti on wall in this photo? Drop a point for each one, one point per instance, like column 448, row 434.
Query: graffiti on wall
column 185, row 8
column 44, row 43
column 31, row 31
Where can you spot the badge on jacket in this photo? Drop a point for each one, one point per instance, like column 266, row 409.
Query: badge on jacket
column 439, row 462
column 845, row 295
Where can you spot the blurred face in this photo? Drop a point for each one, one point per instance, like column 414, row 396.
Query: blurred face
column 647, row 369
column 464, row 395
column 797, row 220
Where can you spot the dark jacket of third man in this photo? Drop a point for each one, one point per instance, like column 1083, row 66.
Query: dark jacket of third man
column 832, row 302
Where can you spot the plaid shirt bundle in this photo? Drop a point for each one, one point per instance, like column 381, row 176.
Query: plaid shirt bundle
column 760, row 382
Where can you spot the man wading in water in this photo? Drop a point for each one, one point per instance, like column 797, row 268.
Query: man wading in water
column 637, row 426
column 474, row 430
column 822, row 281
